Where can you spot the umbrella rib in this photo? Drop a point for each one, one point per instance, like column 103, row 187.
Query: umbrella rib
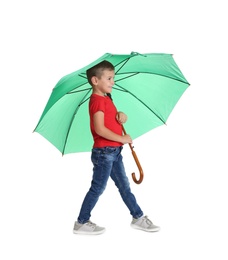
column 76, row 91
column 124, row 62
column 84, row 99
column 127, row 91
column 157, row 74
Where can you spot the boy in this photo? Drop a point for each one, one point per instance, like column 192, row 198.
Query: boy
column 106, row 128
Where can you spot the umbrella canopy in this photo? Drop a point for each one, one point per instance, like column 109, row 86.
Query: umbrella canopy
column 147, row 87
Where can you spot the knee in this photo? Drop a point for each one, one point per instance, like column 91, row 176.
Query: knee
column 97, row 189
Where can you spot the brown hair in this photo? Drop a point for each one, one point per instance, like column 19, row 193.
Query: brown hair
column 98, row 69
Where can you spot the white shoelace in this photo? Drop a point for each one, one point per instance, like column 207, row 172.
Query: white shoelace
column 90, row 223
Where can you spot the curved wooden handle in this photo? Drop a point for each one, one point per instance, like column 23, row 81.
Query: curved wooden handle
column 137, row 162
column 139, row 167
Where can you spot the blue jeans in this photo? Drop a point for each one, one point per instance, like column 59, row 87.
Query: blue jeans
column 107, row 162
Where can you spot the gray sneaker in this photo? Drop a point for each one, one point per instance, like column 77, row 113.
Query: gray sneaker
column 144, row 224
column 89, row 228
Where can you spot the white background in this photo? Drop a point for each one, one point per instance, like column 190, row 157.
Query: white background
column 185, row 163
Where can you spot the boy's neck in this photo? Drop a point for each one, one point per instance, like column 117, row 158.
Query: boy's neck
column 99, row 93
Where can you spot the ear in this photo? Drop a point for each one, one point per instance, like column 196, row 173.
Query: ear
column 94, row 80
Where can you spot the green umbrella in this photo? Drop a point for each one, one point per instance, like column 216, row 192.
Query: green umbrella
column 147, row 87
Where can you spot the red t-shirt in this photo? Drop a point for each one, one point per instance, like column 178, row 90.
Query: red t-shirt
column 104, row 104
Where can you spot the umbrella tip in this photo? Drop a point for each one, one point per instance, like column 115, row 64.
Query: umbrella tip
column 134, row 53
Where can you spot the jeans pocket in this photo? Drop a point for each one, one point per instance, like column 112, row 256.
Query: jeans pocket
column 95, row 156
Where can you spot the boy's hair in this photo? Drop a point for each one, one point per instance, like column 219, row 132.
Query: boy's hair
column 98, row 69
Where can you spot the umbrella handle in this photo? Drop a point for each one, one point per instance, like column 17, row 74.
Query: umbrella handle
column 137, row 162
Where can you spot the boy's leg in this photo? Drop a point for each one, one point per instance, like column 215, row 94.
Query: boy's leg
column 101, row 171
column 120, row 178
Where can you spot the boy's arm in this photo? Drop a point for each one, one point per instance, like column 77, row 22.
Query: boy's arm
column 103, row 131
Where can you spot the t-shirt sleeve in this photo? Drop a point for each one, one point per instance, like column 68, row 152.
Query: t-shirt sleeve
column 97, row 105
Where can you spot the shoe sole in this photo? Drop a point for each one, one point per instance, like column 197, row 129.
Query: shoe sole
column 144, row 229
column 88, row 233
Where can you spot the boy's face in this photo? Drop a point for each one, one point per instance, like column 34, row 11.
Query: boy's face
column 105, row 83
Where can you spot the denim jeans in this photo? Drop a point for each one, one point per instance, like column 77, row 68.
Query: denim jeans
column 107, row 162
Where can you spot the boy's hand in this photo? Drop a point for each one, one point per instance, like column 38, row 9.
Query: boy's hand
column 126, row 139
column 121, row 118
